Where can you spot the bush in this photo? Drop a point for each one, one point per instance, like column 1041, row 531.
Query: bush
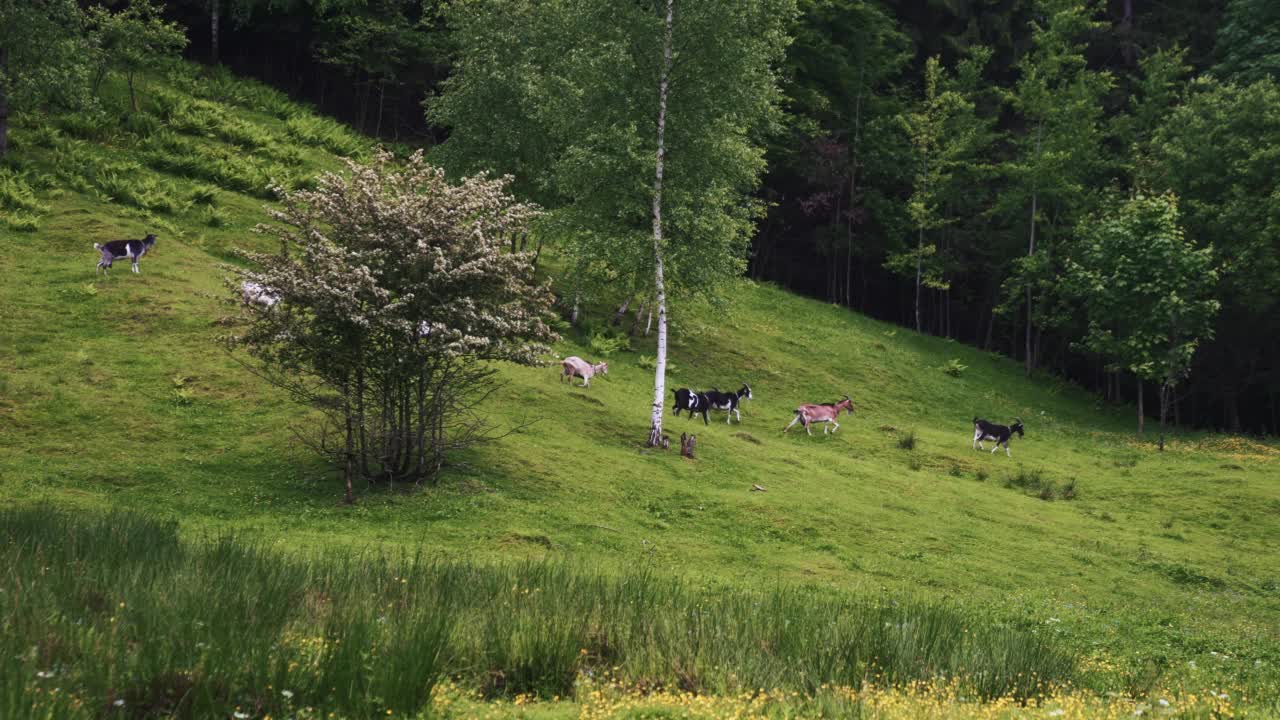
column 22, row 222
column 1034, row 483
column 86, row 124
column 649, row 362
column 907, row 441
column 425, row 364
column 141, row 124
column 215, row 218
column 954, row 367
column 204, row 195
column 606, row 345
column 16, row 193
column 324, row 133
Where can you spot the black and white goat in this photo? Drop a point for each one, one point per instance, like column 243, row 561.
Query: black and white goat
column 728, row 402
column 694, row 402
column 121, row 249
column 983, row 430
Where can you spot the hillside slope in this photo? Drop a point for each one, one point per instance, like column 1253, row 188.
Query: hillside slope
column 115, row 393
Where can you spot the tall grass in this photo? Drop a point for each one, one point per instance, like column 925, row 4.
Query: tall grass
column 121, row 615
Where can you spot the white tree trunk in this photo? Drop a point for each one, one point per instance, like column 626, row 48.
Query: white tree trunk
column 919, row 269
column 660, row 293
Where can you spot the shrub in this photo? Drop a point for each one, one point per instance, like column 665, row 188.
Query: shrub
column 649, row 362
column 1068, row 491
column 204, row 195
column 324, row 133
column 86, row 124
column 44, row 135
column 907, row 440
column 141, row 124
column 606, row 345
column 395, row 230
column 215, row 218
column 16, row 193
column 954, row 367
column 980, row 476
column 22, row 222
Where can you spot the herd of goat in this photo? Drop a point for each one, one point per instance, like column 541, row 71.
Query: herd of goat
column 702, row 403
column 692, row 402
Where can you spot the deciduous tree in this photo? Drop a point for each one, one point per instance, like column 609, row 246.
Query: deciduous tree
column 1146, row 291
column 42, row 57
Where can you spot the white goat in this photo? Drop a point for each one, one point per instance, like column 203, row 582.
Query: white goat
column 575, row 366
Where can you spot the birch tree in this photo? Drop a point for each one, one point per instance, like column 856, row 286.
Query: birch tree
column 640, row 125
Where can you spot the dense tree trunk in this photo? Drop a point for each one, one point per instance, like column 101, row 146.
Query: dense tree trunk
column 1166, row 393
column 622, row 310
column 1142, row 418
column 660, row 293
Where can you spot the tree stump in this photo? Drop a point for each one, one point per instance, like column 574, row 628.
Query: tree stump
column 686, row 444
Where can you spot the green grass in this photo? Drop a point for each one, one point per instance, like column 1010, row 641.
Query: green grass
column 1160, row 571
column 117, row 609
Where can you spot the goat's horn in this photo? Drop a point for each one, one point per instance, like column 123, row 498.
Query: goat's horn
column 1018, row 420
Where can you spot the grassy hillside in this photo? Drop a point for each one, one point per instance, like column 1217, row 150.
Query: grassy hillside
column 1159, row 570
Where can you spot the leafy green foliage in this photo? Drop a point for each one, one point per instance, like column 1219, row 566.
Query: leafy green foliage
column 1145, row 289
column 954, row 367
column 1059, row 98
column 132, row 39
column 562, row 96
column 394, row 301
column 1248, row 47
column 43, row 58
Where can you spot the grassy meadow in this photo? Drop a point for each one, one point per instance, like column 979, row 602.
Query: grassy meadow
column 169, row 544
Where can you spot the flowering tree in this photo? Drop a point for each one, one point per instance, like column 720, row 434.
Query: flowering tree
column 393, row 296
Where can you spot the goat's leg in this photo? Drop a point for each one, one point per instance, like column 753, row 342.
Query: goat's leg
column 794, row 420
column 834, row 429
column 994, row 449
column 737, row 414
column 1006, row 450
